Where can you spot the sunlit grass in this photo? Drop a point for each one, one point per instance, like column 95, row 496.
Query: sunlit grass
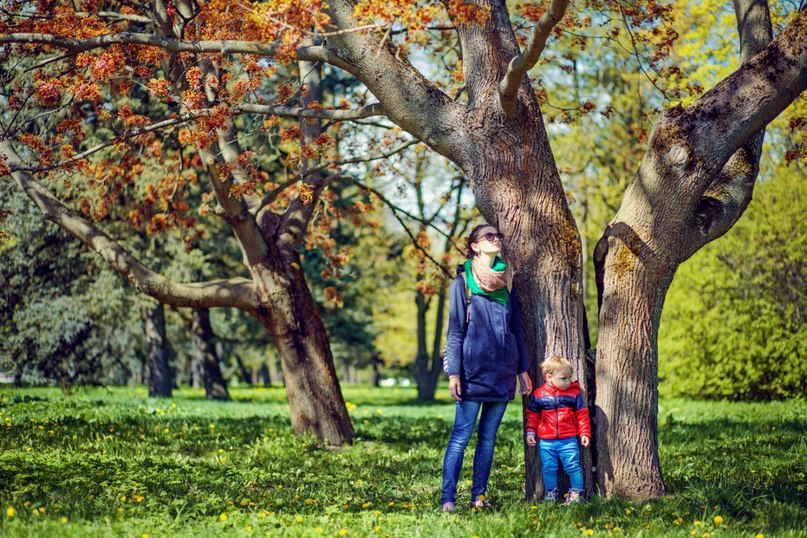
column 114, row 462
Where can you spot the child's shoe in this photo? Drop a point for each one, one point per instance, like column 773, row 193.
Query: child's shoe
column 551, row 496
column 573, row 497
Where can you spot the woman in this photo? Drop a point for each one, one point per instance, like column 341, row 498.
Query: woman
column 484, row 355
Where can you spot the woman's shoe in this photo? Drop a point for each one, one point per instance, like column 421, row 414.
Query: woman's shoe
column 447, row 507
column 481, row 503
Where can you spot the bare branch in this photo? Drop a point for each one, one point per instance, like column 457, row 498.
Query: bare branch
column 128, row 38
column 237, row 292
column 508, row 87
column 395, row 212
column 374, row 109
column 116, row 16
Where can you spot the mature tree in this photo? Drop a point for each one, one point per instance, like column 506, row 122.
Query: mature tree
column 692, row 185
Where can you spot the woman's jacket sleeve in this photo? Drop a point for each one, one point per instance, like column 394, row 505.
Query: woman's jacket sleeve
column 456, row 327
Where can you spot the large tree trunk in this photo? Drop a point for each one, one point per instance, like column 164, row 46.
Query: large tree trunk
column 205, row 352
column 315, row 397
column 626, row 417
column 518, row 189
column 159, row 352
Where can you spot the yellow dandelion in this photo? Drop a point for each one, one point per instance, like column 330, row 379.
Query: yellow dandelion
column 309, row 500
column 10, row 512
column 377, row 528
column 391, row 504
column 123, row 498
column 249, row 528
column 299, row 519
column 26, row 504
column 244, row 502
column 137, row 498
column 144, row 535
column 627, row 511
column 41, row 509
column 365, row 505
column 377, row 512
column 697, row 523
column 589, row 532
column 223, row 516
column 759, row 535
column 693, row 532
column 63, row 520
column 719, row 520
column 319, row 530
column 342, row 532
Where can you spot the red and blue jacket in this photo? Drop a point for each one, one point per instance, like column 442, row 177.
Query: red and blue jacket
column 558, row 414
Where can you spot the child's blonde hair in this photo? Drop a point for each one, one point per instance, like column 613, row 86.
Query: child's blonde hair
column 556, row 364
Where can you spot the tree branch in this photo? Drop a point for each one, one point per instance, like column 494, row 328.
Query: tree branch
column 395, row 210
column 519, row 65
column 237, row 292
column 128, row 38
column 729, row 194
column 95, row 149
column 374, row 109
column 727, row 116
column 410, row 99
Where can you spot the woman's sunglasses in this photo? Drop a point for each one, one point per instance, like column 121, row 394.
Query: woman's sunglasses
column 490, row 236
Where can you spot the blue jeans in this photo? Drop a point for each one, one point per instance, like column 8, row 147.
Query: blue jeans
column 464, row 421
column 567, row 451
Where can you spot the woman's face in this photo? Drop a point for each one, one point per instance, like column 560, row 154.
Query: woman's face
column 488, row 241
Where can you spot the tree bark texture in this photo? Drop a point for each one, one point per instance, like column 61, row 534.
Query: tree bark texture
column 205, row 354
column 315, row 398
column 160, row 375
column 518, row 189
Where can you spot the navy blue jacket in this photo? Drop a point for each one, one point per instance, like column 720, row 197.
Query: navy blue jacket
column 491, row 353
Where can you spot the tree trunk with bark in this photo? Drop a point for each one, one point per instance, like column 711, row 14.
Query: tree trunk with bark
column 160, row 375
column 427, row 365
column 315, row 399
column 205, row 354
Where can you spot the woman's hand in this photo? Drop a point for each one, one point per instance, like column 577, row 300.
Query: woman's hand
column 454, row 387
column 526, row 383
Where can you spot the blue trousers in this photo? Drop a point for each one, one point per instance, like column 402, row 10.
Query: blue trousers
column 464, row 422
column 567, row 452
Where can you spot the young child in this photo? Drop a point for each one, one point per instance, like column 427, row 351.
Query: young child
column 557, row 414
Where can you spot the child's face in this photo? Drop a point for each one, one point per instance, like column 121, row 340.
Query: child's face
column 561, row 379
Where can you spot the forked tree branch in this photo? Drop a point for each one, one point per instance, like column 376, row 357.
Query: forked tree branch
column 236, row 292
column 519, row 65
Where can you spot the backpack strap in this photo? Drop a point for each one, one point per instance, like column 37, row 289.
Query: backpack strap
column 467, row 299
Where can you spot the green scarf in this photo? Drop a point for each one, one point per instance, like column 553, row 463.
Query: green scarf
column 501, row 296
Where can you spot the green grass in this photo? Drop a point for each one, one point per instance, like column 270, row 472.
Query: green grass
column 113, row 462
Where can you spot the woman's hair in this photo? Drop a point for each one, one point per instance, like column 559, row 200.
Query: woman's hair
column 556, row 364
column 474, row 238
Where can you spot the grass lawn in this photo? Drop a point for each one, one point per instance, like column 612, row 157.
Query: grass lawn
column 112, row 462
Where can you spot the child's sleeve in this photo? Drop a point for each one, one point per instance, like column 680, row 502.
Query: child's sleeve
column 533, row 415
column 581, row 415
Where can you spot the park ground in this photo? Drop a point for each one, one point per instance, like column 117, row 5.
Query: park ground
column 112, row 462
